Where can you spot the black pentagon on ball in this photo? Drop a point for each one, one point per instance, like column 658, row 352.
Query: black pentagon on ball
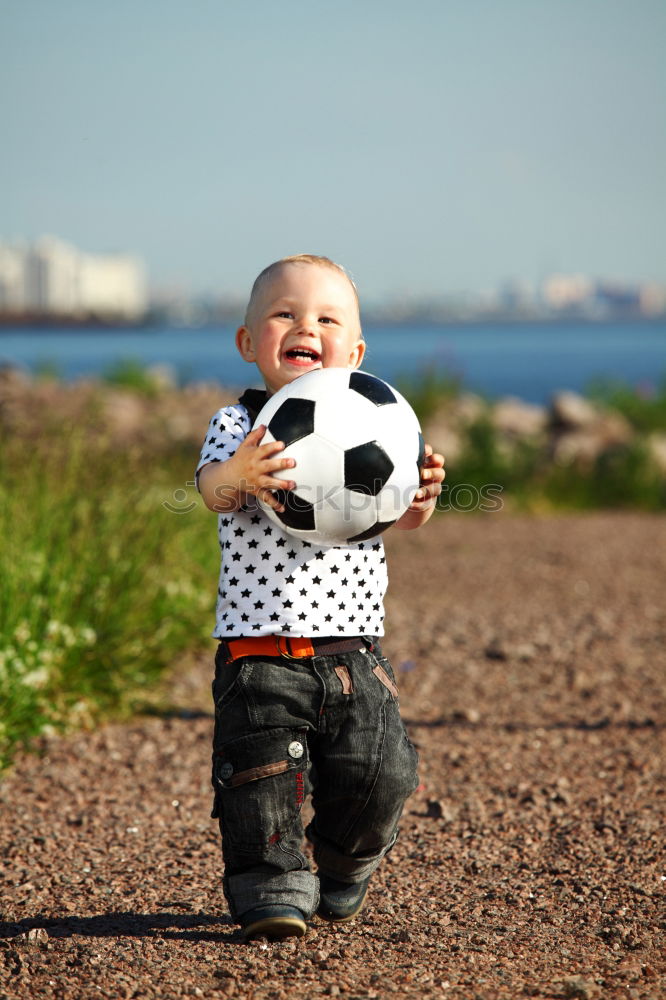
column 420, row 458
column 297, row 513
column 376, row 529
column 293, row 420
column 367, row 468
column 372, row 388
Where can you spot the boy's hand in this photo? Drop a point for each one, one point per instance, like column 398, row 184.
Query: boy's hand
column 254, row 464
column 251, row 469
column 423, row 504
column 432, row 477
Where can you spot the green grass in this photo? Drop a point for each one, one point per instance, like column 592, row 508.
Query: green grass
column 101, row 585
column 128, row 373
column 428, row 391
column 643, row 406
column 623, row 477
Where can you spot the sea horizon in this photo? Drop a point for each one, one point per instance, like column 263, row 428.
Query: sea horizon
column 528, row 359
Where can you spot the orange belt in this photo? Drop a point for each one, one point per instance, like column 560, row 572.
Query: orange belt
column 291, row 647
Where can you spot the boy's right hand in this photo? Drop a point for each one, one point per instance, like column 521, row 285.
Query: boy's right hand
column 253, row 466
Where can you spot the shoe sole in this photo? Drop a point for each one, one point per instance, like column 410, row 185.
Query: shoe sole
column 332, row 919
column 276, row 928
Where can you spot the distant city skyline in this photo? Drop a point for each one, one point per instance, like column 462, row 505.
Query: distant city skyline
column 434, row 149
column 49, row 279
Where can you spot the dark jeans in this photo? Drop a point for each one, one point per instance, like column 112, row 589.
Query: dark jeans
column 329, row 725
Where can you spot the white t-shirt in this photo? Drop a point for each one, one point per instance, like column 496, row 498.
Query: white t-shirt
column 272, row 583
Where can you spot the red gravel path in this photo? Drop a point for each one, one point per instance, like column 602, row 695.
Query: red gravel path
column 531, row 655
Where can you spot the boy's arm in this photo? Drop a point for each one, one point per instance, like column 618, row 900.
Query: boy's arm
column 224, row 486
column 422, row 506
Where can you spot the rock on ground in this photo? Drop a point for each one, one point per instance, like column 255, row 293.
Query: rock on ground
column 530, row 656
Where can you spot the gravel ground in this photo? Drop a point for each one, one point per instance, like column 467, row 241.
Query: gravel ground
column 530, row 654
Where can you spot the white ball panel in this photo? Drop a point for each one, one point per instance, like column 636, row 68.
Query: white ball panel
column 399, row 429
column 345, row 515
column 394, row 499
column 319, row 468
column 348, row 419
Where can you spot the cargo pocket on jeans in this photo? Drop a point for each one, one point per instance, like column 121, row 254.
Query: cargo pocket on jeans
column 259, row 783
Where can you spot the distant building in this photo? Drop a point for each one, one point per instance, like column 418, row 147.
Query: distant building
column 564, row 292
column 113, row 284
column 12, row 279
column 579, row 296
column 652, row 298
column 51, row 278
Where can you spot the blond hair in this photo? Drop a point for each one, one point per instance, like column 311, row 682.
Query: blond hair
column 265, row 276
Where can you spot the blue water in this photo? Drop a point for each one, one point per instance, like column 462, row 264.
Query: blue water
column 527, row 360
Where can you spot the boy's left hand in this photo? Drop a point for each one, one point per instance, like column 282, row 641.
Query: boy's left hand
column 423, row 504
column 432, row 477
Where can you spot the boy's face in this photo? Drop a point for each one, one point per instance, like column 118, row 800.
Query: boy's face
column 305, row 317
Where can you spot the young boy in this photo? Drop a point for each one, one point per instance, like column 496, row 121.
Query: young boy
column 303, row 701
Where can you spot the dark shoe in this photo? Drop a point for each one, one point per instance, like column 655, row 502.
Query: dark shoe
column 340, row 901
column 275, row 922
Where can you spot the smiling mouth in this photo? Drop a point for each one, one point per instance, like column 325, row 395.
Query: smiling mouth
column 303, row 354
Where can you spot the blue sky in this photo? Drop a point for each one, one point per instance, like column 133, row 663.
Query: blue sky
column 432, row 147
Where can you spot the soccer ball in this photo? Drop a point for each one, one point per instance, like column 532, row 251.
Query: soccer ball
column 358, row 450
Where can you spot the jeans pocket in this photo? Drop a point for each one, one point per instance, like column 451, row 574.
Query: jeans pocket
column 382, row 675
column 383, row 671
column 228, row 678
column 259, row 784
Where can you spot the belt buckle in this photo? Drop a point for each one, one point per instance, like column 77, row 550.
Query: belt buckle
column 286, row 652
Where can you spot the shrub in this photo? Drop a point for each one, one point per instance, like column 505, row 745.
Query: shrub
column 101, row 585
column 644, row 406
